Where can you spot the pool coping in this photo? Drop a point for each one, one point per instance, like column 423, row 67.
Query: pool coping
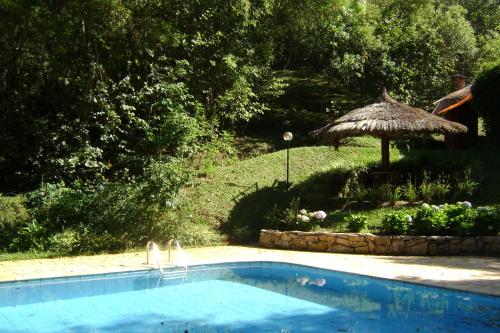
column 482, row 277
column 236, row 265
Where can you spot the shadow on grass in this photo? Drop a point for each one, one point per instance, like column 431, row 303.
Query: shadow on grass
column 483, row 160
column 251, row 207
column 258, row 208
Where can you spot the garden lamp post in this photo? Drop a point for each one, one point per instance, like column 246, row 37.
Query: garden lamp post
column 287, row 136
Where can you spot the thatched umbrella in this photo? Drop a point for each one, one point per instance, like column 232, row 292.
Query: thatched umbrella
column 387, row 120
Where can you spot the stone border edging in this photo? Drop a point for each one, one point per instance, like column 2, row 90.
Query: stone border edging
column 387, row 245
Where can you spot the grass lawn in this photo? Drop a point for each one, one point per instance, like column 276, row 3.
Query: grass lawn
column 237, row 195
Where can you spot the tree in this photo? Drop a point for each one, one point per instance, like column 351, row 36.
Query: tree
column 424, row 43
column 486, row 94
column 93, row 89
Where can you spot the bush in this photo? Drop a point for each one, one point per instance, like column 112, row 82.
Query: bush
column 13, row 216
column 106, row 217
column 460, row 220
column 410, row 191
column 388, row 193
column 396, row 223
column 356, row 222
column 353, row 187
column 434, row 190
column 287, row 219
column 290, row 218
column 487, row 99
column 32, row 236
column 66, row 242
column 487, row 222
column 429, row 221
column 466, row 187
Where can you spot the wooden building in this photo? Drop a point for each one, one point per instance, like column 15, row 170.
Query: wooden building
column 458, row 107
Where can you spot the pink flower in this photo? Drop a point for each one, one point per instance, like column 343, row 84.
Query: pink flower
column 320, row 215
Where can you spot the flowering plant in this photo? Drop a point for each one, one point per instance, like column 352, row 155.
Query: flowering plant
column 305, row 216
column 295, row 218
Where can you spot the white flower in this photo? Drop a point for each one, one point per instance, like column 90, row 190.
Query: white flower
column 303, row 211
column 441, row 206
column 425, row 205
column 409, row 218
column 299, row 216
column 320, row 215
column 304, row 218
column 466, row 204
column 434, row 207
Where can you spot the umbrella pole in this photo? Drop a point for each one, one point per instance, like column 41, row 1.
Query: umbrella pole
column 385, row 153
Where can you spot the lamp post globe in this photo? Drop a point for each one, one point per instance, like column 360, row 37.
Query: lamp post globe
column 287, row 136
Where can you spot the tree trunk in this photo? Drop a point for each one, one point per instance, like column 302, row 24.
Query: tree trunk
column 385, row 153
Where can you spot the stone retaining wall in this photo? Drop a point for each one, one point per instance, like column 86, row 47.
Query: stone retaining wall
column 372, row 244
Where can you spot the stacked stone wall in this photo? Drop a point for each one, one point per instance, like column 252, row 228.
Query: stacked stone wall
column 386, row 245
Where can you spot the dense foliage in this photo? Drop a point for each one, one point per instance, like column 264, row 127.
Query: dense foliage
column 111, row 216
column 411, row 48
column 92, row 89
column 487, row 100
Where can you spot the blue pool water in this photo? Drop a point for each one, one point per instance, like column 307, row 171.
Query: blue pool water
column 241, row 297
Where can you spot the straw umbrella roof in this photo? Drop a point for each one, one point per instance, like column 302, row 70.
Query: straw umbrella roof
column 388, row 120
column 453, row 100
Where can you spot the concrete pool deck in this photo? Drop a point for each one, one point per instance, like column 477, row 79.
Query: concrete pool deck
column 477, row 274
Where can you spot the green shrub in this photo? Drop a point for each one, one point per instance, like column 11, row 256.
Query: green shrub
column 241, row 234
column 460, row 220
column 387, row 193
column 220, row 149
column 487, row 99
column 56, row 207
column 13, row 216
column 31, row 237
column 356, row 222
column 287, row 219
column 410, row 191
column 360, row 192
column 466, row 187
column 397, row 223
column 487, row 222
column 291, row 218
column 354, row 189
column 66, row 242
column 441, row 188
column 434, row 190
column 429, row 221
column 108, row 217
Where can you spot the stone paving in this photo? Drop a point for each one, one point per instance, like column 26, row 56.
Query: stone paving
column 478, row 274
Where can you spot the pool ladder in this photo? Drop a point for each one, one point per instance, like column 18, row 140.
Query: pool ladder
column 151, row 246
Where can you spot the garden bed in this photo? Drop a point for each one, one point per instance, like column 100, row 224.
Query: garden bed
column 381, row 245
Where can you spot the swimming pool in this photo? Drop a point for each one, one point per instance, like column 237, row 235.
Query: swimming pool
column 240, row 297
